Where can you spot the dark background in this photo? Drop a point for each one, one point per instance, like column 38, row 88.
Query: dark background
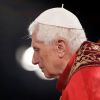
column 15, row 16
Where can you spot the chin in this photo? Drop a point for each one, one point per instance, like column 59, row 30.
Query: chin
column 50, row 76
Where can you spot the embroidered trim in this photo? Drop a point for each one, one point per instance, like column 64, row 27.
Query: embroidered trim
column 88, row 54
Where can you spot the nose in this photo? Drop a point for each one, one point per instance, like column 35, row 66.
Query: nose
column 35, row 59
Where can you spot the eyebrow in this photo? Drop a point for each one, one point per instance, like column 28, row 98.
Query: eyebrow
column 35, row 47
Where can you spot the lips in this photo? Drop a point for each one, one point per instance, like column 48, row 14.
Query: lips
column 41, row 68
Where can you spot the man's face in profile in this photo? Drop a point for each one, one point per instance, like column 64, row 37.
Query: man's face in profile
column 45, row 55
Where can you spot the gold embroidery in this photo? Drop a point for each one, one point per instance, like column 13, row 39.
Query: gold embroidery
column 88, row 54
column 99, row 59
column 95, row 47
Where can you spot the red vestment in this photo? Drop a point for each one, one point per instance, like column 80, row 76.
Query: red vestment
column 81, row 78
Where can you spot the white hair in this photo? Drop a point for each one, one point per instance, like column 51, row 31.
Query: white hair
column 48, row 33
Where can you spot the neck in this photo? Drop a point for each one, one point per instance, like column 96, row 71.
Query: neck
column 64, row 64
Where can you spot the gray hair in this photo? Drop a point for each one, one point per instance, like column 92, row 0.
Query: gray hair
column 48, row 33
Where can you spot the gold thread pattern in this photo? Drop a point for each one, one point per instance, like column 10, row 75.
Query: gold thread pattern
column 87, row 55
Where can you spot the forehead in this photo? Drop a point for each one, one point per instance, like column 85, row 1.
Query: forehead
column 34, row 37
column 35, row 41
column 39, row 44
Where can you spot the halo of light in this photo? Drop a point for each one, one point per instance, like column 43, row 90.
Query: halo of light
column 24, row 58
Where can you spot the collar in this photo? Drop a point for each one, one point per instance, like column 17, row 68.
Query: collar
column 87, row 55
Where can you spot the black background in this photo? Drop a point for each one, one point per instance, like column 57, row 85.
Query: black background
column 15, row 16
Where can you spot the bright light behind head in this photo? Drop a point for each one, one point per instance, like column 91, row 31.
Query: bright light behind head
column 24, row 58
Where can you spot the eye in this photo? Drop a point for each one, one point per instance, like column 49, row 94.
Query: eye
column 36, row 49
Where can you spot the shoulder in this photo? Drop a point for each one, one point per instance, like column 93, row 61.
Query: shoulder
column 89, row 73
column 87, row 55
column 84, row 83
column 86, row 75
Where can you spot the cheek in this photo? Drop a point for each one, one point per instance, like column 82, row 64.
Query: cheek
column 46, row 61
column 46, row 57
column 43, row 58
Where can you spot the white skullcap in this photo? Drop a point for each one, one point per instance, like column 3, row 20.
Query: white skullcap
column 59, row 17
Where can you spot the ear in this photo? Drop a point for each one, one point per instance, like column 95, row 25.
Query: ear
column 61, row 47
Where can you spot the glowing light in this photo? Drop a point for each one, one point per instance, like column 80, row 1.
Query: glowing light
column 24, row 58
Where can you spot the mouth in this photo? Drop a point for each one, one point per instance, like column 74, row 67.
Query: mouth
column 41, row 68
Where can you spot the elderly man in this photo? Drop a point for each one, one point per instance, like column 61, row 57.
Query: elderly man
column 62, row 51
